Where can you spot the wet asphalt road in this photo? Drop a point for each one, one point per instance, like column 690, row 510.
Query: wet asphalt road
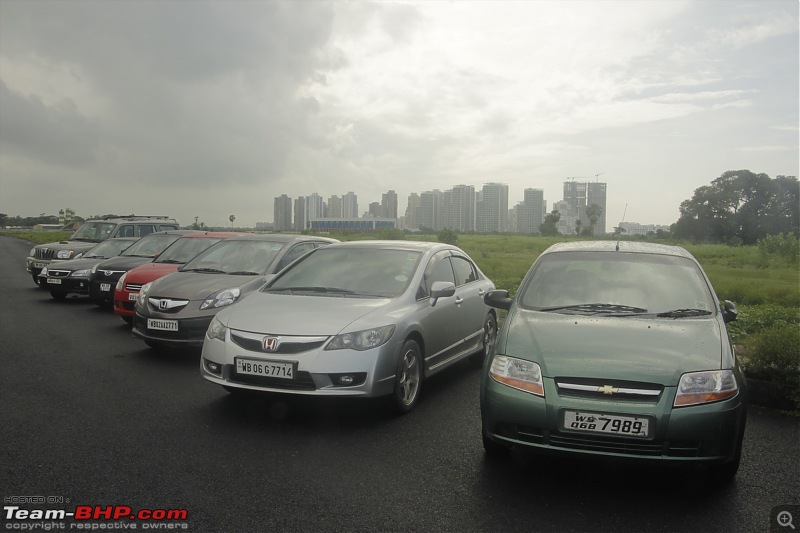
column 93, row 416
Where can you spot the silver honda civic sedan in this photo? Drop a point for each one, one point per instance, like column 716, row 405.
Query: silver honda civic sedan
column 359, row 319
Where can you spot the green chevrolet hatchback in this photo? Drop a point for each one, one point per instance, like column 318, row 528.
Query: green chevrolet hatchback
column 616, row 351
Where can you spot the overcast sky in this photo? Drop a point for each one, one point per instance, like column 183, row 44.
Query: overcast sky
column 206, row 109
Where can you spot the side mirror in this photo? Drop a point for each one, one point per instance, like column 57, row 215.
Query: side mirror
column 498, row 299
column 441, row 289
column 729, row 312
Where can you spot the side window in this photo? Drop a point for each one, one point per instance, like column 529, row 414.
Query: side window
column 144, row 229
column 464, row 270
column 438, row 269
column 126, row 230
column 297, row 251
column 167, row 227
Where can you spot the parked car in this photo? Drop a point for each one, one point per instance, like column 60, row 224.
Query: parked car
column 72, row 276
column 92, row 232
column 104, row 276
column 178, row 254
column 359, row 319
column 175, row 311
column 616, row 351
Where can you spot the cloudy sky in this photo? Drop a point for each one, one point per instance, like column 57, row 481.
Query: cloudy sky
column 206, row 109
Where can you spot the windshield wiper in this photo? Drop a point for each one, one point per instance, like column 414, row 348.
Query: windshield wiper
column 170, row 262
column 681, row 313
column 206, row 270
column 321, row 290
column 243, row 273
column 598, row 309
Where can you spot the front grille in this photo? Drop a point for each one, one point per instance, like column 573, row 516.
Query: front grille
column 58, row 273
column 598, row 444
column 133, row 287
column 302, row 381
column 609, row 389
column 44, row 253
column 284, row 347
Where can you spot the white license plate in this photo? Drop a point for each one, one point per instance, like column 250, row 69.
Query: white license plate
column 105, row 287
column 54, row 281
column 133, row 296
column 164, row 325
column 39, row 265
column 273, row 369
column 628, row 426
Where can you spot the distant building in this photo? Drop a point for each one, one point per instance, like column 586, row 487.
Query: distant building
column 364, row 225
column 634, row 228
column 335, row 207
column 530, row 212
column 389, row 204
column 412, row 209
column 350, row 205
column 579, row 195
column 300, row 214
column 283, row 213
column 492, row 208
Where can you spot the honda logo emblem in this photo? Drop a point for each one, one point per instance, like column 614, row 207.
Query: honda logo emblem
column 163, row 305
column 271, row 344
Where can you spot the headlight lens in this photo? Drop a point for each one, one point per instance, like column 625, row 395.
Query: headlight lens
column 143, row 293
column 697, row 388
column 361, row 340
column 43, row 272
column 94, row 268
column 64, row 254
column 518, row 374
column 216, row 330
column 121, row 282
column 80, row 273
column 33, row 252
column 222, row 298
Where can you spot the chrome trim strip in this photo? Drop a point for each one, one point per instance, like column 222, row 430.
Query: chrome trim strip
column 618, row 390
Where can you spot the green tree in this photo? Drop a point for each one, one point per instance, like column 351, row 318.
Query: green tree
column 549, row 227
column 448, row 236
column 593, row 213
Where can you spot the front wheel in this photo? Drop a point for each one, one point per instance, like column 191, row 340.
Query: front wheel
column 489, row 337
column 408, row 378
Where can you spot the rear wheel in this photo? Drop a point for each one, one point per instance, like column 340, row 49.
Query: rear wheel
column 408, row 378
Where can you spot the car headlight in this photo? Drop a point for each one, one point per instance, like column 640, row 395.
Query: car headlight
column 33, row 252
column 121, row 282
column 222, row 298
column 705, row 387
column 94, row 268
column 518, row 374
column 143, row 293
column 216, row 330
column 43, row 272
column 80, row 273
column 64, row 254
column 361, row 340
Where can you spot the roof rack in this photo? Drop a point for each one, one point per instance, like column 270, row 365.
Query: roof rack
column 136, row 217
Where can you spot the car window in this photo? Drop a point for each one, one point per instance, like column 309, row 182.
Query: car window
column 126, row 230
column 657, row 283
column 464, row 270
column 144, row 229
column 185, row 249
column 296, row 251
column 438, row 269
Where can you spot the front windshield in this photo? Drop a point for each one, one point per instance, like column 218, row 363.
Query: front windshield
column 352, row 271
column 617, row 283
column 238, row 257
column 150, row 246
column 108, row 248
column 93, row 231
column 186, row 248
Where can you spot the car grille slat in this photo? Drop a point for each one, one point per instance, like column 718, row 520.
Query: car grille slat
column 286, row 345
column 133, row 287
column 609, row 389
column 44, row 253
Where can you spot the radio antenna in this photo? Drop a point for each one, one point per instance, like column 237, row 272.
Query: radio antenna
column 619, row 229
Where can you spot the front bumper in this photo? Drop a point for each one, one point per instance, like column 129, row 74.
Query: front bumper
column 707, row 433
column 190, row 331
column 67, row 285
column 318, row 372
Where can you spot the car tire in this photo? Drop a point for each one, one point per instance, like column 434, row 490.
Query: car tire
column 58, row 295
column 724, row 473
column 407, row 379
column 492, row 449
column 488, row 340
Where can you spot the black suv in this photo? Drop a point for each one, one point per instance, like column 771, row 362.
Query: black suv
column 90, row 233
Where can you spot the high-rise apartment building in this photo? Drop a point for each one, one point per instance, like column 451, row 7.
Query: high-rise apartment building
column 300, row 214
column 492, row 208
column 459, row 208
column 315, row 206
column 350, row 205
column 530, row 213
column 389, row 204
column 581, row 195
column 335, row 207
column 283, row 213
column 430, row 210
column 411, row 211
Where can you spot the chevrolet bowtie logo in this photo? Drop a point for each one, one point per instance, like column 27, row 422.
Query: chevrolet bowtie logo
column 607, row 389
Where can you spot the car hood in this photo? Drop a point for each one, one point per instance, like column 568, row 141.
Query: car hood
column 198, row 285
column 80, row 246
column 150, row 271
column 76, row 264
column 123, row 262
column 634, row 349
column 285, row 314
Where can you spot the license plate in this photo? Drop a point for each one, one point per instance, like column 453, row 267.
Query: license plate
column 105, row 287
column 133, row 296
column 272, row 369
column 39, row 265
column 54, row 281
column 627, row 426
column 164, row 325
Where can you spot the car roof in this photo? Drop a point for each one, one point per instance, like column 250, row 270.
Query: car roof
column 619, row 246
column 280, row 237
column 421, row 246
column 217, row 234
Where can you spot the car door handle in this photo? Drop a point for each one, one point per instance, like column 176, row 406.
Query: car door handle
column 459, row 300
column 480, row 292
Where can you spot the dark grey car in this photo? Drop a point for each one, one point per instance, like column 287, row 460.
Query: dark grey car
column 176, row 310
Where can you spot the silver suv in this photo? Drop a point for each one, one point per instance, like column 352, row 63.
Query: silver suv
column 89, row 234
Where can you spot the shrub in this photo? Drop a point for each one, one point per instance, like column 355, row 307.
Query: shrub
column 774, row 354
column 756, row 318
column 783, row 248
column 448, row 236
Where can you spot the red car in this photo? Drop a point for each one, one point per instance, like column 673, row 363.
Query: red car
column 174, row 257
